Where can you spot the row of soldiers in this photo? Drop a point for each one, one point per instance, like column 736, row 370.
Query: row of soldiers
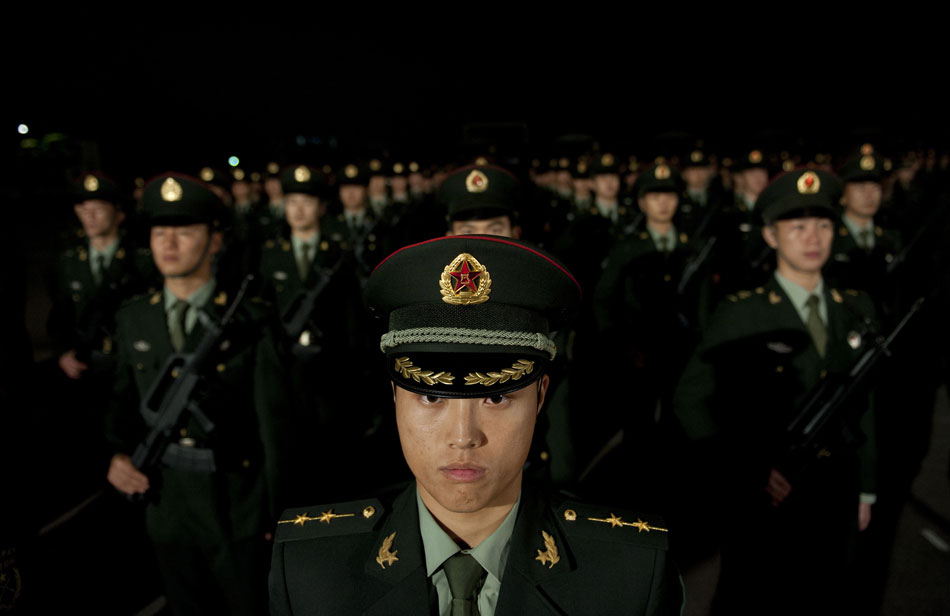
column 654, row 256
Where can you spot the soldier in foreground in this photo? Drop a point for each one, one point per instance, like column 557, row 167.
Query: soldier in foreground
column 470, row 320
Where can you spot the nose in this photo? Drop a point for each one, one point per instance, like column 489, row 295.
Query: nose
column 464, row 429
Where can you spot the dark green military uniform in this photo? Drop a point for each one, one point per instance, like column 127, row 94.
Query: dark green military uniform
column 217, row 490
column 469, row 318
column 747, row 380
column 368, row 558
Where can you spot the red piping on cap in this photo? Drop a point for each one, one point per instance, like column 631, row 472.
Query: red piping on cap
column 488, row 239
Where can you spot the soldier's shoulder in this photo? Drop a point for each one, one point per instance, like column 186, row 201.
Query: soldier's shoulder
column 858, row 300
column 589, row 522
column 330, row 520
column 138, row 304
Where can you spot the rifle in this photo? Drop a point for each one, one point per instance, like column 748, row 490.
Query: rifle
column 94, row 322
column 820, row 423
column 171, row 395
column 298, row 312
column 688, row 272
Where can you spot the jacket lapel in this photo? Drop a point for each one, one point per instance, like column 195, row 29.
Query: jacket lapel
column 526, row 577
column 407, row 587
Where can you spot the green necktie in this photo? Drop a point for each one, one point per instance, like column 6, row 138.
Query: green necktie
column 176, row 325
column 866, row 240
column 98, row 272
column 816, row 327
column 663, row 242
column 464, row 574
column 303, row 264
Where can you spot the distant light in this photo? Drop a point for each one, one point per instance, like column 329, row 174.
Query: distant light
column 234, row 161
column 23, row 129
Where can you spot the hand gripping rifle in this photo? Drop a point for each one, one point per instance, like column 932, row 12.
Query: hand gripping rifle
column 171, row 394
column 822, row 423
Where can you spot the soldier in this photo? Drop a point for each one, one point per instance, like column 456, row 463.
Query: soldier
column 93, row 278
column 215, row 493
column 479, row 200
column 357, row 226
column 467, row 353
column 790, row 527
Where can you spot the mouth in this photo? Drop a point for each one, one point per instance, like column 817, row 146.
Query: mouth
column 463, row 473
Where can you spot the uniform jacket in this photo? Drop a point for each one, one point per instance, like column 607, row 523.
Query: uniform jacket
column 757, row 363
column 243, row 395
column 342, row 567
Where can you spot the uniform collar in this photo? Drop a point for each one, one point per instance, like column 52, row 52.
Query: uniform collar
column 798, row 295
column 196, row 300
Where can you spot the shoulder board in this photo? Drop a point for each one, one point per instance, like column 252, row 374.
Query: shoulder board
column 732, row 298
column 852, row 292
column 744, row 294
column 614, row 525
column 329, row 520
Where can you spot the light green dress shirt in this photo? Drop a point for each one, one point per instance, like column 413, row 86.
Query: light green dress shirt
column 311, row 244
column 607, row 210
column 861, row 234
column 799, row 297
column 106, row 255
column 195, row 301
column 669, row 235
column 491, row 554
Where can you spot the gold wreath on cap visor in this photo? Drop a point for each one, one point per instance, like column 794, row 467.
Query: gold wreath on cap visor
column 476, row 182
column 808, row 183
column 302, row 174
column 171, row 190
column 91, row 183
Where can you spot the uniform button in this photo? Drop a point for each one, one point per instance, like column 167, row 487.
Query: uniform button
column 174, row 373
column 220, row 368
column 139, row 367
column 570, row 515
column 75, row 298
column 779, row 368
column 246, row 463
column 369, row 512
column 183, row 432
column 667, row 278
column 545, row 456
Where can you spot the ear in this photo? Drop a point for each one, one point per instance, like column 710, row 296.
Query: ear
column 543, row 390
column 640, row 202
column 119, row 217
column 516, row 232
column 217, row 241
column 76, row 208
column 768, row 234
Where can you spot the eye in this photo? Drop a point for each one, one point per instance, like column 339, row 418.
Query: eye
column 496, row 399
column 430, row 399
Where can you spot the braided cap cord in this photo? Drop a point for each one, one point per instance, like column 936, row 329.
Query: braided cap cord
column 461, row 335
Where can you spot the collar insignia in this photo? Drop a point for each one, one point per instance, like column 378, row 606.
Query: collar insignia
column 171, row 190
column 549, row 555
column 774, row 298
column 465, row 281
column 836, row 296
column 476, row 182
column 385, row 556
column 808, row 183
column 91, row 183
column 221, row 299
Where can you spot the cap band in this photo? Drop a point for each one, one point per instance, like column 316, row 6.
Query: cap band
column 459, row 335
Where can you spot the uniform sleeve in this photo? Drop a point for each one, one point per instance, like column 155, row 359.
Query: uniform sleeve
column 667, row 595
column 277, row 584
column 272, row 407
column 124, row 425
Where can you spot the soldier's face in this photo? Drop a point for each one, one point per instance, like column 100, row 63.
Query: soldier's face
column 754, row 181
column 862, row 198
column 98, row 218
column 273, row 189
column 302, row 211
column 659, row 207
column 697, row 178
column 352, row 196
column 606, row 185
column 467, row 454
column 499, row 225
column 802, row 245
column 184, row 250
